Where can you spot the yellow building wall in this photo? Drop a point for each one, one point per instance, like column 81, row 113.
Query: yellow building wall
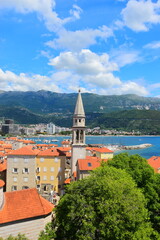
column 51, row 171
column 104, row 155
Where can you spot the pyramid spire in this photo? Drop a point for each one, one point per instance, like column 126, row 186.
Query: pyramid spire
column 79, row 109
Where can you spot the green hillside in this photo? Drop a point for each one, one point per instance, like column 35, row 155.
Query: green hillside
column 50, row 102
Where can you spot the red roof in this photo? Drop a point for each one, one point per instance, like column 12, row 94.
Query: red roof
column 154, row 162
column 49, row 152
column 64, row 149
column 103, row 150
column 67, row 181
column 24, row 204
column 89, row 164
column 27, row 150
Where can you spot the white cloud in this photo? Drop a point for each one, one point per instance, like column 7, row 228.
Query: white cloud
column 90, row 67
column 79, row 39
column 140, row 15
column 9, row 81
column 124, row 57
column 126, row 88
column 153, row 45
column 44, row 10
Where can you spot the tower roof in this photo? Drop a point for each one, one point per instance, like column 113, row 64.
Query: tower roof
column 79, row 110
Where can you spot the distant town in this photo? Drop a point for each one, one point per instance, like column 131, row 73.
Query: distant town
column 9, row 128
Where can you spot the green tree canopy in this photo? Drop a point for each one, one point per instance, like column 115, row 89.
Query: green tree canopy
column 106, row 205
column 136, row 166
column 145, row 178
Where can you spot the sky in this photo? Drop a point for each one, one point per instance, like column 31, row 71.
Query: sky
column 105, row 47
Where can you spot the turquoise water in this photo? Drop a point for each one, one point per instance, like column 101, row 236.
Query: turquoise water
column 120, row 140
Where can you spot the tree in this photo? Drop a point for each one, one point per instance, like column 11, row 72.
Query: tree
column 145, row 178
column 136, row 166
column 106, row 205
column 48, row 233
column 18, row 237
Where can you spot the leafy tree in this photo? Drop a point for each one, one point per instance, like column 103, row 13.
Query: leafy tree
column 106, row 205
column 48, row 233
column 136, row 166
column 18, row 237
column 145, row 178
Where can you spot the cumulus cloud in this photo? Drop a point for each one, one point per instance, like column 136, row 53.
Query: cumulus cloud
column 126, row 88
column 92, row 68
column 140, row 15
column 44, row 10
column 10, row 81
column 79, row 39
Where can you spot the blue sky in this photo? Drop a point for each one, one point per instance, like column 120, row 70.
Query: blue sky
column 101, row 46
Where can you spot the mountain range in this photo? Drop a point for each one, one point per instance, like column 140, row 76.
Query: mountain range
column 46, row 106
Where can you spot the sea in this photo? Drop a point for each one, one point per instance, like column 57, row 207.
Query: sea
column 154, row 150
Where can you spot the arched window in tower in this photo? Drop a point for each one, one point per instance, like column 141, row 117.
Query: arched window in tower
column 77, row 136
column 81, row 136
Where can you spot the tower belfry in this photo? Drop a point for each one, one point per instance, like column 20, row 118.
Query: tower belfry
column 78, row 133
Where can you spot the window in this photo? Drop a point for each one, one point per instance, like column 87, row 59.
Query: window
column 38, row 169
column 38, row 178
column 15, row 170
column 25, row 179
column 52, row 178
column 38, row 187
column 41, row 159
column 79, row 120
column 25, row 170
column 52, row 169
column 25, row 160
column 89, row 164
column 25, row 187
column 45, row 188
column 15, row 179
column 56, row 159
column 44, row 178
column 44, row 169
column 15, row 160
column 14, row 188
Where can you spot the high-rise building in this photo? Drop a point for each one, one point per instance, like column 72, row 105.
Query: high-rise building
column 78, row 134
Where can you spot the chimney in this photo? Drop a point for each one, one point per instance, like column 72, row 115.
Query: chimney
column 2, row 183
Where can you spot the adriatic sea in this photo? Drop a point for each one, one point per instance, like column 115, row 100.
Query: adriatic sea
column 154, row 150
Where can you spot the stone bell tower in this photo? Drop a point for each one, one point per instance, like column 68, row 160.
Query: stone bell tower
column 78, row 134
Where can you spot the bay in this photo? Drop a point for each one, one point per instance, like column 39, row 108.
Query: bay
column 154, row 150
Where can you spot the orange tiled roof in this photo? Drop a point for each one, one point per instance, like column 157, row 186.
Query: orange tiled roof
column 27, row 150
column 12, row 138
column 24, row 204
column 3, row 166
column 103, row 150
column 88, row 164
column 51, row 152
column 154, row 162
column 67, row 181
column 1, row 142
column 64, row 149
column 9, row 146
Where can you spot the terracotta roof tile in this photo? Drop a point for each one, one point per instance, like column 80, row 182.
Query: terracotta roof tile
column 154, row 162
column 103, row 150
column 49, row 152
column 24, row 204
column 27, row 150
column 67, row 181
column 88, row 164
